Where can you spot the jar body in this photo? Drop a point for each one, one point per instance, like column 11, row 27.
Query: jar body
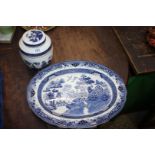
column 37, row 62
column 36, row 49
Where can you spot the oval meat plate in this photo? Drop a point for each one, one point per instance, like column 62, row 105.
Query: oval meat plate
column 76, row 94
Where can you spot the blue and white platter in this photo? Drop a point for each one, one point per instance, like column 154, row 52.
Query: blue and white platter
column 76, row 94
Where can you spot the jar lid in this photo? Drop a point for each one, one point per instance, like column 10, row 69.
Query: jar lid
column 33, row 37
column 36, row 50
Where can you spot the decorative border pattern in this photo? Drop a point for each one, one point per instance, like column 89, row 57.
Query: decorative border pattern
column 88, row 122
column 34, row 55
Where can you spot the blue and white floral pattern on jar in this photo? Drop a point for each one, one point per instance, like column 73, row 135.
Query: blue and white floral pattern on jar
column 36, row 49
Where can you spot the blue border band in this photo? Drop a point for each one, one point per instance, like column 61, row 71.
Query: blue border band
column 34, row 55
column 34, row 45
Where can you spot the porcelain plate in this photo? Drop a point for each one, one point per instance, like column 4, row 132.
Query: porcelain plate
column 76, row 94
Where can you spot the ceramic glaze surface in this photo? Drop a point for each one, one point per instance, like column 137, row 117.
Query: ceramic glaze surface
column 76, row 94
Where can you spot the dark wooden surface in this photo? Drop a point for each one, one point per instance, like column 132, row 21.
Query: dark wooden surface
column 97, row 44
column 140, row 53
